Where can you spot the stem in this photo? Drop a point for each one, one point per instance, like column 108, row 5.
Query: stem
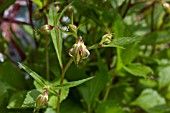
column 61, row 82
column 14, row 21
column 95, row 46
column 47, row 60
column 29, row 5
column 108, row 87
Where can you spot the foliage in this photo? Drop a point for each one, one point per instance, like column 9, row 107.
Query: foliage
column 84, row 56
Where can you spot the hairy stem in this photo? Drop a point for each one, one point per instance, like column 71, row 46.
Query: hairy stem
column 61, row 82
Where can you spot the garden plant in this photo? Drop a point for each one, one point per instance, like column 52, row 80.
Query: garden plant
column 84, row 56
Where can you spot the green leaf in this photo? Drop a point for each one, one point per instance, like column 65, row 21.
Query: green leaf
column 12, row 75
column 30, row 100
column 148, row 99
column 17, row 99
column 72, row 84
column 129, row 54
column 50, row 110
column 109, row 107
column 138, row 69
column 159, row 109
column 164, row 79
column 55, row 34
column 4, row 87
column 119, row 27
column 156, row 37
column 73, row 105
column 121, row 93
column 54, row 99
column 37, row 78
column 56, row 38
column 91, row 89
column 124, row 41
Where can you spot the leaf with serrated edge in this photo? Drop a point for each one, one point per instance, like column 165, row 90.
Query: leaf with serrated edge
column 72, row 84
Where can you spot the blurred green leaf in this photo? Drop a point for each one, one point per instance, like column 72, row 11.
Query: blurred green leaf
column 16, row 100
column 5, row 4
column 50, row 110
column 109, row 107
column 138, row 69
column 129, row 53
column 91, row 89
column 73, row 105
column 164, row 79
column 4, row 91
column 159, row 109
column 119, row 27
column 156, row 37
column 121, row 93
column 149, row 98
column 30, row 99
column 12, row 75
column 37, row 78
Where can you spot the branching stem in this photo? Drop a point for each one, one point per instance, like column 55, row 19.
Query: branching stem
column 61, row 82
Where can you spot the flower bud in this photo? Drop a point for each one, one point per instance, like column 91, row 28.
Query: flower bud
column 79, row 51
column 45, row 29
column 107, row 38
column 72, row 28
column 41, row 100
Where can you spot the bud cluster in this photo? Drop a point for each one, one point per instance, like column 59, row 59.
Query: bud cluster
column 79, row 51
column 107, row 38
column 41, row 100
column 45, row 29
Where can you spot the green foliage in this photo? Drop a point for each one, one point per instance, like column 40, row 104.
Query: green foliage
column 138, row 69
column 5, row 4
column 148, row 99
column 30, row 99
column 120, row 65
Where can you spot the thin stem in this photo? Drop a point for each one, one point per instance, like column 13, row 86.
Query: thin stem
column 13, row 21
column 95, row 46
column 47, row 60
column 29, row 5
column 61, row 82
column 108, row 88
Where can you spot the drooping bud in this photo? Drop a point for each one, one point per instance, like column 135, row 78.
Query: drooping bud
column 41, row 100
column 166, row 7
column 107, row 38
column 45, row 29
column 79, row 51
column 72, row 29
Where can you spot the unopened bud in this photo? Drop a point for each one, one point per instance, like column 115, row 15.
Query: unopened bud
column 107, row 38
column 45, row 29
column 72, row 28
column 79, row 51
column 42, row 99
